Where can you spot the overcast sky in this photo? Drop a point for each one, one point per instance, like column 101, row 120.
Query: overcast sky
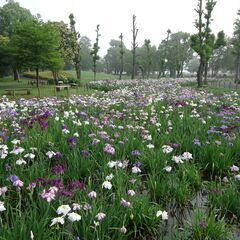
column 154, row 17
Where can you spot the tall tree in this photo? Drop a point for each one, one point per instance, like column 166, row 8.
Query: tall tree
column 76, row 47
column 134, row 45
column 215, row 45
column 36, row 45
column 113, row 57
column 236, row 45
column 86, row 59
column 4, row 56
column 94, row 52
column 147, row 44
column 163, row 51
column 203, row 42
column 179, row 52
column 145, row 56
column 121, row 55
column 12, row 14
column 65, row 47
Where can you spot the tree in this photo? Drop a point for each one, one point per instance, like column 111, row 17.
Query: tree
column 147, row 44
column 86, row 59
column 178, row 54
column 121, row 55
column 192, row 65
column 220, row 42
column 65, row 45
column 4, row 67
column 12, row 14
column 76, row 47
column 134, row 46
column 113, row 57
column 203, row 42
column 236, row 47
column 94, row 52
column 163, row 51
column 145, row 58
column 36, row 45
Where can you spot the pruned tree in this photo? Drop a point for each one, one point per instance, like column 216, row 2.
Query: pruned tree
column 94, row 52
column 121, row 55
column 134, row 45
column 236, row 47
column 203, row 42
column 76, row 46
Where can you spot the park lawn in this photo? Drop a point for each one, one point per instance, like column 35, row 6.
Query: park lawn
column 87, row 76
column 45, row 90
column 48, row 90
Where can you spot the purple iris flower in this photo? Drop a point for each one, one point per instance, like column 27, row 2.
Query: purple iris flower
column 136, row 153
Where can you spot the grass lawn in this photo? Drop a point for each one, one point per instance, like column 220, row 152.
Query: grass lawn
column 45, row 90
column 87, row 76
column 48, row 90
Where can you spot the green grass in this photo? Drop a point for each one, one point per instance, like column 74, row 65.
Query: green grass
column 45, row 90
column 87, row 76
column 48, row 90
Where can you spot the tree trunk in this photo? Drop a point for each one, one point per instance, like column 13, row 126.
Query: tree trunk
column 37, row 79
column 94, row 73
column 200, row 73
column 55, row 77
column 16, row 75
column 205, row 73
column 172, row 73
column 78, row 71
column 133, row 64
column 237, row 76
column 121, row 71
column 163, row 73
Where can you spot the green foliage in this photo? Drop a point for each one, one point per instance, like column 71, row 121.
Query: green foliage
column 134, row 45
column 204, row 41
column 221, row 40
column 145, row 58
column 65, row 46
column 94, row 52
column 12, row 14
column 236, row 36
column 179, row 53
column 86, row 59
column 236, row 48
column 36, row 45
column 122, row 51
column 226, row 198
column 206, row 227
column 75, row 46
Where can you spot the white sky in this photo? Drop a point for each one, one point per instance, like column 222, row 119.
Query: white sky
column 154, row 17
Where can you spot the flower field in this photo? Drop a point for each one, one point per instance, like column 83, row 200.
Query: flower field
column 142, row 160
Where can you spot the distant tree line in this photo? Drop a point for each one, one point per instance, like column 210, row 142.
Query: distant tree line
column 26, row 42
